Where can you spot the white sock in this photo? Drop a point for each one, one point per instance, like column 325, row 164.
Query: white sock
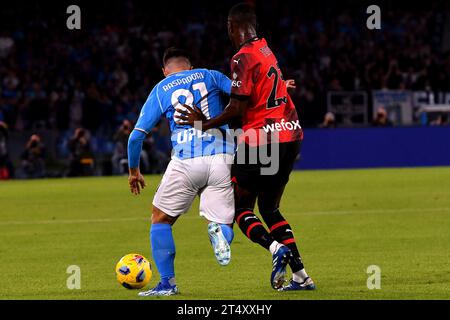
column 300, row 276
column 274, row 247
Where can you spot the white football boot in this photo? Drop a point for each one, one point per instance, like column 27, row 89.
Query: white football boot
column 221, row 247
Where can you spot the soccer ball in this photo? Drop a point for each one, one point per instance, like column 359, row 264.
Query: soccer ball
column 133, row 271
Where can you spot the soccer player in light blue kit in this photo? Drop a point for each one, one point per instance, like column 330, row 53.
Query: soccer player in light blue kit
column 200, row 163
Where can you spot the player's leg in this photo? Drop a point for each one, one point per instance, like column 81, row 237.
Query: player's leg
column 172, row 199
column 269, row 204
column 248, row 182
column 247, row 220
column 253, row 228
column 245, row 176
column 217, row 206
column 163, row 251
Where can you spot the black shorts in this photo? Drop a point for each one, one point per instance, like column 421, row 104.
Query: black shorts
column 264, row 167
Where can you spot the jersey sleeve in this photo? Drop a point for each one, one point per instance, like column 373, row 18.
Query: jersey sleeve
column 222, row 81
column 151, row 112
column 243, row 71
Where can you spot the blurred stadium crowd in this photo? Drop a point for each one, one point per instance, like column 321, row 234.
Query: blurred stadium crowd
column 88, row 85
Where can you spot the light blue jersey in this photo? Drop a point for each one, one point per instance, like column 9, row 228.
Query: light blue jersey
column 200, row 87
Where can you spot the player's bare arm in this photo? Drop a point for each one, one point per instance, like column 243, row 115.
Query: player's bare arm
column 233, row 111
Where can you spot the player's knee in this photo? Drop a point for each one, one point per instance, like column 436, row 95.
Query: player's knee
column 267, row 207
column 271, row 216
column 159, row 216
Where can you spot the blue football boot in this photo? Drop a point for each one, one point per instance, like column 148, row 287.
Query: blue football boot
column 308, row 284
column 162, row 289
column 280, row 260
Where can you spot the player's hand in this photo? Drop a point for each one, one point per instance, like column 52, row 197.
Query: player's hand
column 136, row 182
column 189, row 115
column 290, row 84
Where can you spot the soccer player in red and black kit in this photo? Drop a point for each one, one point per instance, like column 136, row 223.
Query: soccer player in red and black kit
column 259, row 98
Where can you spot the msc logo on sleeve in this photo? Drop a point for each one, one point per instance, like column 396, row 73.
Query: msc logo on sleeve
column 236, row 84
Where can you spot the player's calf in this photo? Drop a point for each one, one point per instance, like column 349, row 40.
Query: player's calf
column 281, row 231
column 253, row 228
column 163, row 251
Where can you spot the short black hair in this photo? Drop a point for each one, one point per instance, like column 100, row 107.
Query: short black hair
column 173, row 52
column 243, row 13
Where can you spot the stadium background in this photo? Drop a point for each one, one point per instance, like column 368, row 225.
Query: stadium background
column 54, row 80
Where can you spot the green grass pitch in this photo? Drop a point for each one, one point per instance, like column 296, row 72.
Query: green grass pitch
column 344, row 221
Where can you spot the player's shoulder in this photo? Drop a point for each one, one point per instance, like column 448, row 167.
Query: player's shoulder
column 206, row 72
column 212, row 75
column 247, row 55
column 243, row 53
column 203, row 71
column 159, row 84
column 244, row 60
column 170, row 82
column 253, row 51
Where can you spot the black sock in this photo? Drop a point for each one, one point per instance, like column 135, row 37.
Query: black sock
column 282, row 232
column 253, row 228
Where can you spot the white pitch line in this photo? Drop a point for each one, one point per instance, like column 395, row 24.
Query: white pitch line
column 369, row 211
column 56, row 221
column 107, row 220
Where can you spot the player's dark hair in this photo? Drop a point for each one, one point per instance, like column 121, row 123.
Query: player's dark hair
column 243, row 13
column 173, row 52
